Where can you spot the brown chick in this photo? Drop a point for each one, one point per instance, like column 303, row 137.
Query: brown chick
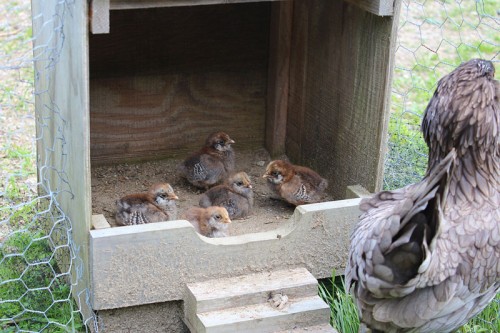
column 156, row 205
column 212, row 163
column 295, row 184
column 426, row 257
column 236, row 195
column 211, row 222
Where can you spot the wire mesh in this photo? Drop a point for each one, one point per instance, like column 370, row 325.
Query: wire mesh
column 40, row 265
column 433, row 38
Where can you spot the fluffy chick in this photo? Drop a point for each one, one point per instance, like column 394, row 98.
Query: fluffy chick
column 212, row 221
column 156, row 205
column 212, row 163
column 295, row 184
column 236, row 195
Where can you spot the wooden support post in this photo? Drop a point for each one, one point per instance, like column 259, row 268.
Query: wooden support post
column 279, row 76
column 99, row 222
column 377, row 7
column 99, row 16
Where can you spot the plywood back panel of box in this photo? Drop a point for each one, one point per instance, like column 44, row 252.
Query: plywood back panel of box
column 339, row 92
column 163, row 79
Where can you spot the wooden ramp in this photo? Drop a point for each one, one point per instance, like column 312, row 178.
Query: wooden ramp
column 280, row 301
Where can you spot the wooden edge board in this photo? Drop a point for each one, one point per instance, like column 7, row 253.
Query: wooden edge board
column 357, row 191
column 99, row 16
column 152, row 263
column 377, row 7
column 136, row 4
column 99, row 222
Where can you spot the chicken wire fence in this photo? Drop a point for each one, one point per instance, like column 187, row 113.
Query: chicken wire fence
column 40, row 266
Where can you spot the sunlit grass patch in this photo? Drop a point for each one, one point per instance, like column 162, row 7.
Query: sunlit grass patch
column 344, row 315
column 34, row 294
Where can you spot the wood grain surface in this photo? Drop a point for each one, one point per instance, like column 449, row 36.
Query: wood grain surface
column 164, row 79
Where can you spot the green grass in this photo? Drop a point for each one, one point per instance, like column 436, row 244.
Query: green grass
column 344, row 316
column 487, row 321
column 34, row 294
column 441, row 35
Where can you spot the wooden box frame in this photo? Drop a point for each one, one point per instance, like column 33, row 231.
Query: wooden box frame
column 329, row 72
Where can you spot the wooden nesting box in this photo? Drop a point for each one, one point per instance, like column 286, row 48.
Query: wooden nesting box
column 136, row 80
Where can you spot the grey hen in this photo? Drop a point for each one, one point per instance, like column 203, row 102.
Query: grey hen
column 426, row 258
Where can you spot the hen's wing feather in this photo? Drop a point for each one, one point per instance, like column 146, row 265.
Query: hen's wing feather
column 394, row 238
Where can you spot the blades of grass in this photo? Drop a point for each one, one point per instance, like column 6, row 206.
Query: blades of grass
column 344, row 315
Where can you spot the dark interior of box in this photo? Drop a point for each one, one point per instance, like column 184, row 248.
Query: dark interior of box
column 164, row 78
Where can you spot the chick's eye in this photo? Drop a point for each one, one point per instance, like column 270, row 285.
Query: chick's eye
column 220, row 142
column 217, row 217
column 239, row 183
column 275, row 173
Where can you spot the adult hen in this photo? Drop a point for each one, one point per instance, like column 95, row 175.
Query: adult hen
column 426, row 258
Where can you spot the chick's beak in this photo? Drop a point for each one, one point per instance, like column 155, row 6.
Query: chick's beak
column 173, row 197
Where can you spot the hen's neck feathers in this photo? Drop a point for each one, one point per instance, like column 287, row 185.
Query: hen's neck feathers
column 469, row 121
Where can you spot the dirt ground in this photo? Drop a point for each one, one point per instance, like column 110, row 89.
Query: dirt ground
column 109, row 183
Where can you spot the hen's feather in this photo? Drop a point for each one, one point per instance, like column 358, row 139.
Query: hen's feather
column 426, row 258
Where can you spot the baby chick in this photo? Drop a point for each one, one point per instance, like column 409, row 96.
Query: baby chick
column 212, row 163
column 212, row 221
column 295, row 184
column 236, row 195
column 156, row 205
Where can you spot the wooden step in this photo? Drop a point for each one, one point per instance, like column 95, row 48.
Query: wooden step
column 264, row 317
column 249, row 289
column 325, row 328
column 260, row 302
